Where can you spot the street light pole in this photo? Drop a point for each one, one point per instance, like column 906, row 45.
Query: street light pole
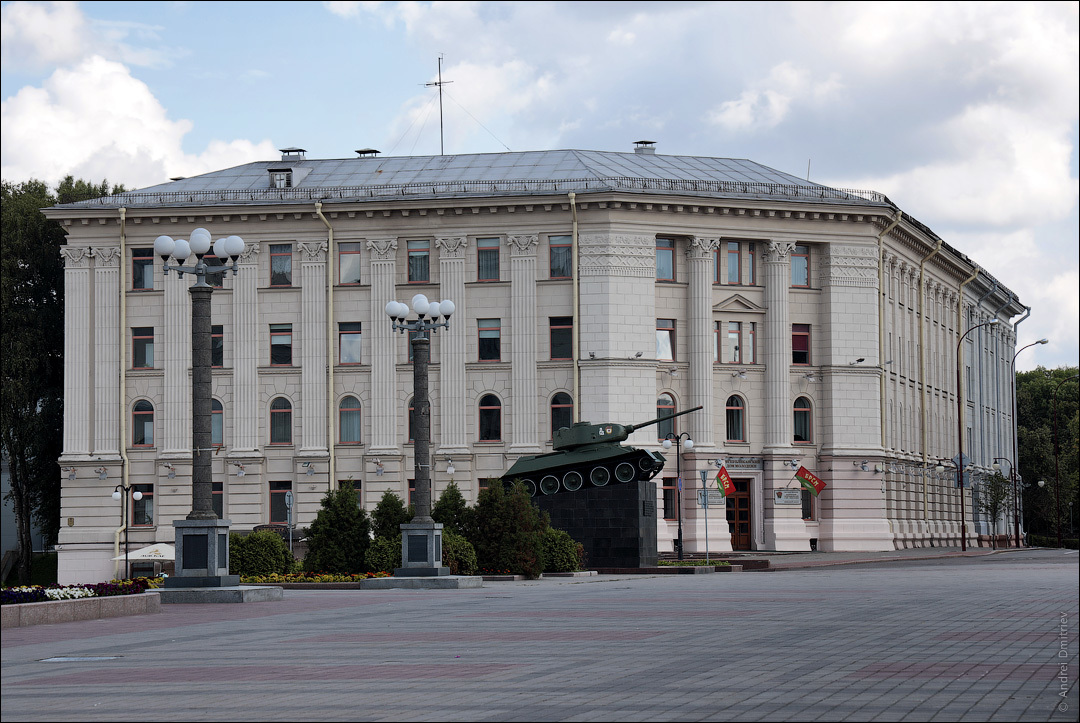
column 123, row 497
column 687, row 443
column 421, row 538
column 960, row 433
column 202, row 540
column 1016, row 494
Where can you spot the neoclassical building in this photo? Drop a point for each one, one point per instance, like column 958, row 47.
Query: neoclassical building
column 816, row 327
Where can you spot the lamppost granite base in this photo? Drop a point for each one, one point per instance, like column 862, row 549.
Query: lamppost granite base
column 202, row 555
column 421, row 550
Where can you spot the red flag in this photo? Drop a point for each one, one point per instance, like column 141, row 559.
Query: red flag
column 809, row 481
column 723, row 481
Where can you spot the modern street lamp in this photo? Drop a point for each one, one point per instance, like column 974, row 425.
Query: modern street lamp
column 421, row 538
column 960, row 433
column 1012, row 475
column 202, row 539
column 122, row 497
column 687, row 443
column 1057, row 467
column 1016, row 494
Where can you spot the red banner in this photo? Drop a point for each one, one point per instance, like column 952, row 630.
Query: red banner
column 810, row 481
column 723, row 481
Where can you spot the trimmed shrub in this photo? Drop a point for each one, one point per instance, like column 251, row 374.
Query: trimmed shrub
column 458, row 554
column 506, row 531
column 450, row 509
column 384, row 554
column 560, row 551
column 389, row 515
column 260, row 553
column 338, row 538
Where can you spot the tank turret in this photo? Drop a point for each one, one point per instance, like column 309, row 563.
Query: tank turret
column 589, row 454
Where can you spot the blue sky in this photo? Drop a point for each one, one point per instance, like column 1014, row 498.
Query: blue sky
column 964, row 114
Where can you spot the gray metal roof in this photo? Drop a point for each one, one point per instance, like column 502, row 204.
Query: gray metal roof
column 486, row 174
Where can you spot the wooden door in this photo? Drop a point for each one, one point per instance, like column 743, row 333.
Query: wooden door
column 738, row 515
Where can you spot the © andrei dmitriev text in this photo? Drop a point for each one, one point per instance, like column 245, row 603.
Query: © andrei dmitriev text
column 1063, row 652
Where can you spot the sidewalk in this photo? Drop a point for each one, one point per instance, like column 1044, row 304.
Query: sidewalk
column 802, row 560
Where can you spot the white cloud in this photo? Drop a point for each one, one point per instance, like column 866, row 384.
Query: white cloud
column 769, row 104
column 96, row 121
column 42, row 34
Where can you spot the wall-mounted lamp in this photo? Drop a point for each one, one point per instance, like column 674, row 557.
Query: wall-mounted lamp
column 637, row 355
column 673, row 372
column 718, row 463
column 860, row 360
column 378, row 467
column 879, row 468
column 239, row 469
column 592, row 355
column 70, row 471
column 741, row 374
column 102, row 473
column 450, row 467
column 810, row 377
column 309, row 468
column 793, row 463
column 169, row 466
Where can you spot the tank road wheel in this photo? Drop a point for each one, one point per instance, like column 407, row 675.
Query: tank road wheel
column 646, row 464
column 549, row 485
column 572, row 481
column 624, row 472
column 530, row 487
column 599, row 476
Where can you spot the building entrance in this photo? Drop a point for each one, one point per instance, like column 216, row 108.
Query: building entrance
column 738, row 515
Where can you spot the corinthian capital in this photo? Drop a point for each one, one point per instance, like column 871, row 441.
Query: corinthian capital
column 778, row 251
column 384, row 249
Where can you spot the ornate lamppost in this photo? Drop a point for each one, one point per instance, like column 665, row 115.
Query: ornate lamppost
column 687, row 443
column 421, row 538
column 202, row 539
column 960, row 433
column 1016, row 493
column 123, row 497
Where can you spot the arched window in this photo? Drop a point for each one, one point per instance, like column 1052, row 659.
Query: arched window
column 736, row 420
column 217, row 423
column 803, row 427
column 562, row 412
column 142, row 424
column 665, row 406
column 349, row 420
column 490, row 418
column 280, row 421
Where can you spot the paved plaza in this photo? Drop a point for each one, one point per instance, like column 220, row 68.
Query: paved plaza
column 979, row 637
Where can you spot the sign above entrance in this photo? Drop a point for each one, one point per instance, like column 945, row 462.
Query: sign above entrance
column 788, row 496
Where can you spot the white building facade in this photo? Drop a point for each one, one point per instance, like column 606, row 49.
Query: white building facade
column 815, row 327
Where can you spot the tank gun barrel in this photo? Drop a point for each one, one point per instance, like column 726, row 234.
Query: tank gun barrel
column 632, row 427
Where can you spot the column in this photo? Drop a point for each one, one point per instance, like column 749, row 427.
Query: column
column 243, row 341
column 107, row 339
column 699, row 257
column 313, row 361
column 78, row 331
column 385, row 347
column 523, row 407
column 452, row 403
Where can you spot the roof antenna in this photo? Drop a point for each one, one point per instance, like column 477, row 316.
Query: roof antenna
column 808, row 169
column 439, row 85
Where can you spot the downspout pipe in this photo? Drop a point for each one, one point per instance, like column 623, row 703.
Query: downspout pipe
column 331, row 477
column 576, row 330
column 922, row 373
column 881, row 315
column 959, row 389
column 122, row 397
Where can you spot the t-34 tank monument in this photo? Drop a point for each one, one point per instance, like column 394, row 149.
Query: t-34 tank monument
column 598, row 491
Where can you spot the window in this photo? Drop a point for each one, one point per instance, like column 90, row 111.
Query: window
column 280, row 178
column 734, row 343
column 802, row 420
column 348, row 263
column 279, row 510
column 490, row 418
column 800, row 266
column 142, row 510
column 217, row 423
column 671, row 498
column 807, row 504
column 562, row 412
column 749, row 355
column 734, row 263
column 561, row 262
column 281, row 264
column 142, row 424
column 489, row 331
column 419, row 253
column 800, row 344
column 217, row 346
column 349, row 420
column 665, row 259
column 142, row 347
column 665, row 406
column 349, row 342
column 281, row 345
column 487, row 259
column 215, row 270
column 412, row 422
column 750, row 255
column 665, row 339
column 281, row 421
column 217, row 499
column 561, row 336
column 736, row 421
column 412, row 491
column 142, row 269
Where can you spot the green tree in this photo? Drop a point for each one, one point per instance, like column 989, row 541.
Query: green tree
column 1035, row 416
column 339, row 536
column 389, row 515
column 506, row 529
column 450, row 510
column 32, row 310
column 993, row 498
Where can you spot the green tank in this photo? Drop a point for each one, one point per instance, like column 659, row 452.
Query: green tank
column 589, row 455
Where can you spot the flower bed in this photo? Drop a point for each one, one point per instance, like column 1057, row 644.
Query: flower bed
column 37, row 593
column 310, row 577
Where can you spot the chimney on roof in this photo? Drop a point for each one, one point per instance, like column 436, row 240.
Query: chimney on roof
column 366, row 152
column 292, row 154
column 645, row 148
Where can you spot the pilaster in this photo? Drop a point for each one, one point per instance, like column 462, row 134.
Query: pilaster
column 313, row 361
column 452, row 406
column 175, row 363
column 777, row 264
column 107, row 339
column 699, row 255
column 523, row 407
column 245, row 347
column 385, row 346
column 77, row 380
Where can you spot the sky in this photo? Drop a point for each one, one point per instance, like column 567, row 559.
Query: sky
column 963, row 114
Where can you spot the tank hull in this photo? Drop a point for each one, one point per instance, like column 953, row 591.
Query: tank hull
column 577, row 469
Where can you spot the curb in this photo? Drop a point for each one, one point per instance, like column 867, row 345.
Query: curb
column 88, row 608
